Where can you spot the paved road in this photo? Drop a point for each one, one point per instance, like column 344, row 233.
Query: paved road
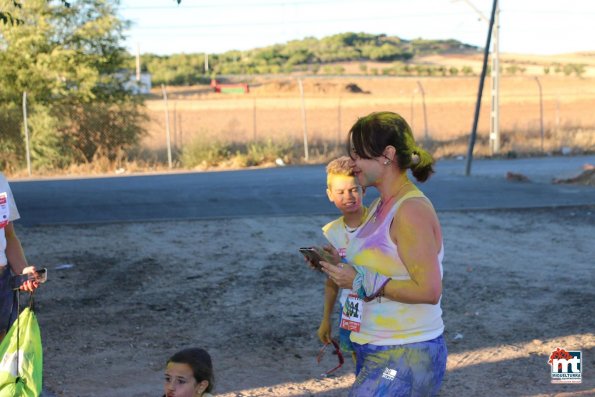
column 295, row 190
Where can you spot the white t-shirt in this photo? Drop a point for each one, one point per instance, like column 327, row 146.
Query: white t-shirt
column 336, row 233
column 8, row 212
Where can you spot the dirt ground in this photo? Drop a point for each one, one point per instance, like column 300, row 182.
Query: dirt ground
column 123, row 297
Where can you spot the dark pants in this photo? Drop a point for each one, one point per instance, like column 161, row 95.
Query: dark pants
column 8, row 308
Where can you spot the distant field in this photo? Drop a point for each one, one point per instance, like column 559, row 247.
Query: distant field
column 272, row 109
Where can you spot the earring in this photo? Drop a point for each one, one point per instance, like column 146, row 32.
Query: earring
column 386, row 162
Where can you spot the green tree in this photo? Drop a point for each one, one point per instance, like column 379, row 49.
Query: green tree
column 70, row 62
column 296, row 55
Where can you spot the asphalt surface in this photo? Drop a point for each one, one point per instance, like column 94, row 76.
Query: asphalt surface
column 294, row 190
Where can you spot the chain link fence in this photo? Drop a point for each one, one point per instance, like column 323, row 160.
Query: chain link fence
column 535, row 114
column 546, row 114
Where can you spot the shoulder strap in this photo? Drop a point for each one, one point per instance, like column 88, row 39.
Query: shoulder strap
column 412, row 194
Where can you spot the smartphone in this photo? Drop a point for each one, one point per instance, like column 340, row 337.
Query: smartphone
column 40, row 276
column 312, row 255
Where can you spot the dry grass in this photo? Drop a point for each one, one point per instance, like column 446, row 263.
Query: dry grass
column 272, row 110
column 569, row 139
column 441, row 118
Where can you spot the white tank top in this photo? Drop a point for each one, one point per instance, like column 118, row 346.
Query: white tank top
column 390, row 322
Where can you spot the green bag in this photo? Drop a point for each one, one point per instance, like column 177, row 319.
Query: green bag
column 21, row 367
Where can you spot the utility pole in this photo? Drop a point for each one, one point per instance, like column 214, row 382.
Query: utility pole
column 479, row 93
column 495, row 114
column 495, row 111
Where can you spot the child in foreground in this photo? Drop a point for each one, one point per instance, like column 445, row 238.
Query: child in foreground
column 189, row 373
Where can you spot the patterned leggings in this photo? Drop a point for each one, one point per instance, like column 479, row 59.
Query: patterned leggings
column 411, row 370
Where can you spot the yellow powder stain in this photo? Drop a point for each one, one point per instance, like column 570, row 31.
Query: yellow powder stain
column 388, row 322
column 376, row 260
column 407, row 335
column 332, row 178
column 414, row 357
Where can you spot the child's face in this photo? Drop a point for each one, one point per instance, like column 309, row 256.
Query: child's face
column 180, row 381
column 345, row 193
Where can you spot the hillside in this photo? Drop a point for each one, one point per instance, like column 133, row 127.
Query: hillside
column 519, row 64
column 309, row 55
column 356, row 54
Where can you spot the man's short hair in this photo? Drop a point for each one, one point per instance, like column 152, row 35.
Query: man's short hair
column 339, row 166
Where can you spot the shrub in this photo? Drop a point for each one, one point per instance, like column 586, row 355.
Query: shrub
column 217, row 153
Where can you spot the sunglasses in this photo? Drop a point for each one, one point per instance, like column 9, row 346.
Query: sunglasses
column 339, row 357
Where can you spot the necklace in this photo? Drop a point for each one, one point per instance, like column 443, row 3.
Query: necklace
column 350, row 229
column 381, row 203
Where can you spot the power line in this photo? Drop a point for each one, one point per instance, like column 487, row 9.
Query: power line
column 303, row 21
column 246, row 5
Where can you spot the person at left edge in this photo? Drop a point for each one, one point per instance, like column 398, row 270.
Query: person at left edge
column 12, row 258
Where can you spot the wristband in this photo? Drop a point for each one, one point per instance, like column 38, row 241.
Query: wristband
column 367, row 284
column 379, row 293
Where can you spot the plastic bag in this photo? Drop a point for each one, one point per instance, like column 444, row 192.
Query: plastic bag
column 21, row 366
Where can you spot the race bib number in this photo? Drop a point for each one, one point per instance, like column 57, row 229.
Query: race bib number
column 351, row 318
column 4, row 210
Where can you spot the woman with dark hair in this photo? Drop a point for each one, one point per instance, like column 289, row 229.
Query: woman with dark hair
column 396, row 270
column 189, row 373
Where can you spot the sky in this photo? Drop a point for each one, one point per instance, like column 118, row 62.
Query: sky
column 542, row 27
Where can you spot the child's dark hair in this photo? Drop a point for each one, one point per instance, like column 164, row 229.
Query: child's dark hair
column 371, row 134
column 200, row 362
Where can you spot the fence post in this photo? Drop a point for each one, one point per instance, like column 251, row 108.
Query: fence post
column 540, row 110
column 28, row 151
column 180, row 130
column 412, row 111
column 175, row 125
column 339, row 122
column 304, row 123
column 423, row 100
column 254, row 119
column 167, row 126
column 557, row 114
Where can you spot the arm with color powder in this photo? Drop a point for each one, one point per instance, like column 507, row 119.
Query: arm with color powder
column 331, row 290
column 416, row 231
